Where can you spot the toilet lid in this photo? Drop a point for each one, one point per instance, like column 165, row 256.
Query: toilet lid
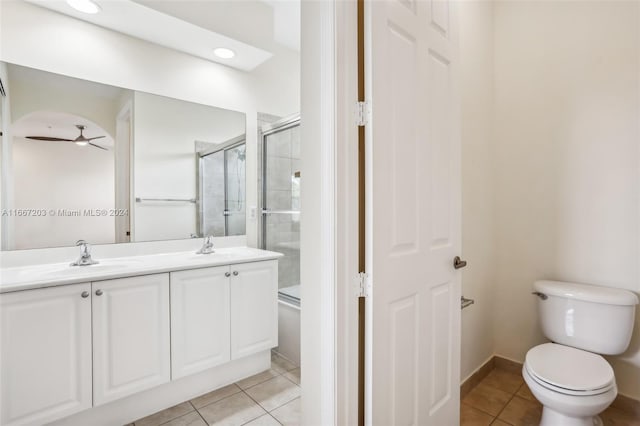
column 569, row 368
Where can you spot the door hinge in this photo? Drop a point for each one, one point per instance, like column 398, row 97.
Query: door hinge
column 362, row 113
column 364, row 285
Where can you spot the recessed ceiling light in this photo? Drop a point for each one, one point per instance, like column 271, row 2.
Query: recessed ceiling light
column 224, row 53
column 86, row 6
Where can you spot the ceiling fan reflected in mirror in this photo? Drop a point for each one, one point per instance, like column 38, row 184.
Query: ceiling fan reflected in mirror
column 80, row 140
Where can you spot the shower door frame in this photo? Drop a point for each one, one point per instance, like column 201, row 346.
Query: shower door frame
column 225, row 146
column 267, row 130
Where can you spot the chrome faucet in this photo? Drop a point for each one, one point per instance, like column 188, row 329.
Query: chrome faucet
column 85, row 255
column 207, row 245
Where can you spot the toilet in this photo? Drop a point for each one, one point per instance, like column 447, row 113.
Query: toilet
column 569, row 377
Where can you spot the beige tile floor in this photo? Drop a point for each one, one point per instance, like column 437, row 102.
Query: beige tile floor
column 503, row 398
column 270, row 398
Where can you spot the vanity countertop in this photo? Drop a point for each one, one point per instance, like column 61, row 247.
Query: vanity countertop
column 55, row 274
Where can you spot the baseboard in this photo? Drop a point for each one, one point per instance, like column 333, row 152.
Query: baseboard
column 496, row 362
column 507, row 364
column 133, row 407
column 477, row 376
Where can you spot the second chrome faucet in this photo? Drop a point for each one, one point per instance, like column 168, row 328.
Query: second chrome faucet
column 207, row 245
column 85, row 255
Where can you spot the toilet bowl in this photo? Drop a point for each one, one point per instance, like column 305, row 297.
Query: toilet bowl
column 573, row 385
column 569, row 377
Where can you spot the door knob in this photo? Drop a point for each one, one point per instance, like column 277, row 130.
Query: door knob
column 85, row 294
column 235, row 273
column 98, row 292
column 459, row 263
column 227, row 274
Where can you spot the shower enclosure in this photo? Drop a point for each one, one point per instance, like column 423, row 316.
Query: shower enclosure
column 221, row 188
column 281, row 199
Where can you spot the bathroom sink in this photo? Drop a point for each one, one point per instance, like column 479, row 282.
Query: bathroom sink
column 207, row 257
column 59, row 270
column 72, row 270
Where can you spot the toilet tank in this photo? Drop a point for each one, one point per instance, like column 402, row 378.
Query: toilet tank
column 596, row 319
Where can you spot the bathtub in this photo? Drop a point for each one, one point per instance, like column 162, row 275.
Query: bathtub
column 289, row 323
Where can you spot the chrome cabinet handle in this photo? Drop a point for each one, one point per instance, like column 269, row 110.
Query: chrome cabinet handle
column 85, row 294
column 235, row 273
column 98, row 292
column 459, row 263
column 227, row 274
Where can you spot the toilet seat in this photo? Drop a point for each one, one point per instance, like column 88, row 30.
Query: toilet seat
column 569, row 370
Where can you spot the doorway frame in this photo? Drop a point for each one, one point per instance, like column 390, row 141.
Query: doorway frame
column 329, row 217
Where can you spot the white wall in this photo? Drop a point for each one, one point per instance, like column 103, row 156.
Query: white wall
column 478, row 230
column 165, row 133
column 6, row 182
column 87, row 183
column 567, row 184
column 33, row 90
column 36, row 37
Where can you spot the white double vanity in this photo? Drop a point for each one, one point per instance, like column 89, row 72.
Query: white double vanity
column 113, row 342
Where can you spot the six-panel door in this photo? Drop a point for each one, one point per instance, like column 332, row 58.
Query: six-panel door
column 200, row 320
column 254, row 307
column 45, row 352
column 131, row 341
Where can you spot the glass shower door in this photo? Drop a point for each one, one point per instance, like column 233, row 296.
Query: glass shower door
column 281, row 199
column 222, row 191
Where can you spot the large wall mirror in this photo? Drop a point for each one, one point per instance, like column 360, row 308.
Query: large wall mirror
column 109, row 165
column 113, row 135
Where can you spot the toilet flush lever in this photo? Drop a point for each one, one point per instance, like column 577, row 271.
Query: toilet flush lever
column 459, row 263
column 540, row 295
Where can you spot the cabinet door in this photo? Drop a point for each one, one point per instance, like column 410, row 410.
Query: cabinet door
column 200, row 320
column 45, row 353
column 254, row 307
column 130, row 336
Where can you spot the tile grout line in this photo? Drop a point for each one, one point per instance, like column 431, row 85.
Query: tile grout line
column 276, row 420
column 496, row 417
column 498, row 389
column 265, row 410
column 215, row 402
column 505, row 405
column 279, row 406
column 199, row 413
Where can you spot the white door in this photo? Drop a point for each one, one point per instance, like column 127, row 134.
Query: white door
column 45, row 353
column 200, row 320
column 254, row 307
column 130, row 336
column 413, row 213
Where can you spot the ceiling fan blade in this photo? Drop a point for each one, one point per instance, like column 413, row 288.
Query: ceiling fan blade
column 97, row 137
column 98, row 146
column 46, row 138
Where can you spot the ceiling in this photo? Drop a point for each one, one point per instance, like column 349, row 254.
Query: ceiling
column 255, row 30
